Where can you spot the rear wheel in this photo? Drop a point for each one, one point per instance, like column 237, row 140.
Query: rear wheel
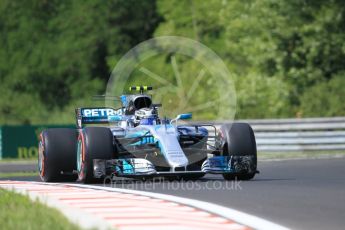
column 56, row 158
column 239, row 140
column 93, row 143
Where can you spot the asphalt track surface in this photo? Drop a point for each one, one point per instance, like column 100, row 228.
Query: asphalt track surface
column 299, row 194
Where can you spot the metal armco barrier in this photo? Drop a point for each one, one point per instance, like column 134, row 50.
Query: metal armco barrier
column 272, row 135
column 306, row 134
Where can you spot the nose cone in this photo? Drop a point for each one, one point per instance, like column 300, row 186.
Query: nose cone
column 169, row 145
column 176, row 159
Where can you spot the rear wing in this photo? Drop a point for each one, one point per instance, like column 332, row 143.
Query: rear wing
column 100, row 115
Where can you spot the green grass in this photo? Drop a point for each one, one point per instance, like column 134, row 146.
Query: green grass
column 303, row 155
column 17, row 174
column 19, row 212
column 6, row 160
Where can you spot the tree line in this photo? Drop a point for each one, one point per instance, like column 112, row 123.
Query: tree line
column 287, row 57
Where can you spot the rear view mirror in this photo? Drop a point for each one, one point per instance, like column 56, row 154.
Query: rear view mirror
column 184, row 116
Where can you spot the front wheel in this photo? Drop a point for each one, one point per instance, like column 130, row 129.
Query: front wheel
column 238, row 142
column 93, row 143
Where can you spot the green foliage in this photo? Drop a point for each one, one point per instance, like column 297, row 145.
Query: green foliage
column 301, row 42
column 295, row 44
column 18, row 212
column 196, row 19
column 325, row 99
column 177, row 93
column 262, row 97
column 54, row 55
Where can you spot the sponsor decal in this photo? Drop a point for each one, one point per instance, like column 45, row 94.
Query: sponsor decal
column 27, row 152
column 104, row 112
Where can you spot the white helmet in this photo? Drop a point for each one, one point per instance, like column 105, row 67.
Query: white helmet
column 144, row 113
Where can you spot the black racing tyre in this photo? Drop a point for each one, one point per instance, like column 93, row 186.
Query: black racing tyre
column 57, row 148
column 239, row 140
column 93, row 143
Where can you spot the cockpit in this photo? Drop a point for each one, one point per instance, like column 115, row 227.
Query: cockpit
column 136, row 102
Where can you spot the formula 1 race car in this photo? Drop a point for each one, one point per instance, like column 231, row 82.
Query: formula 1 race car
column 134, row 141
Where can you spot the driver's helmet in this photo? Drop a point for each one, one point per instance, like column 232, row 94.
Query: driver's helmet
column 145, row 116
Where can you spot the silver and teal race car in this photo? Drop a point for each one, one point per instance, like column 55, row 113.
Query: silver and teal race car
column 134, row 141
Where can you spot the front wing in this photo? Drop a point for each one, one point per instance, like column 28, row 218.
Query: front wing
column 139, row 167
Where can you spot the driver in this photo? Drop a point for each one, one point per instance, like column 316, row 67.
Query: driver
column 145, row 116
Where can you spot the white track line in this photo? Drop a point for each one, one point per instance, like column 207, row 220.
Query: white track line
column 105, row 208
